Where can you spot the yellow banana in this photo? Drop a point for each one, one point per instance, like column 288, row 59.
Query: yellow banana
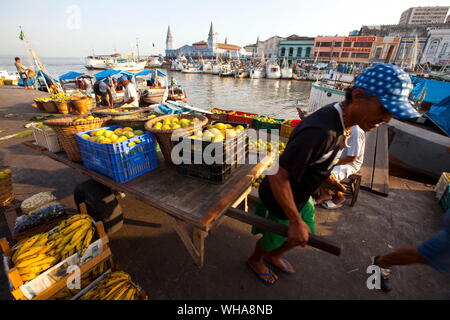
column 29, row 276
column 35, row 269
column 130, row 293
column 87, row 241
column 121, row 292
column 114, row 290
column 31, row 260
column 30, row 252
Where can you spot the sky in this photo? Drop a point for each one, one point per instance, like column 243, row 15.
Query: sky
column 71, row 28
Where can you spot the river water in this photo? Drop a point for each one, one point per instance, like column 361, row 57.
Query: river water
column 275, row 98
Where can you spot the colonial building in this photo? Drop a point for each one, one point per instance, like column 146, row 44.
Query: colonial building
column 437, row 50
column 410, row 51
column 384, row 49
column 295, row 48
column 206, row 49
column 268, row 48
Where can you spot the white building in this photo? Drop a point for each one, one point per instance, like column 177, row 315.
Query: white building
column 437, row 49
column 424, row 15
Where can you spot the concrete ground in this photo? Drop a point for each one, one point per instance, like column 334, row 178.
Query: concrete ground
column 149, row 249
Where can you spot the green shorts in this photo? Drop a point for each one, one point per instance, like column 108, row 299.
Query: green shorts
column 271, row 241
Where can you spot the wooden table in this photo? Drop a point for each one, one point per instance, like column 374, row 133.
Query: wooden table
column 196, row 206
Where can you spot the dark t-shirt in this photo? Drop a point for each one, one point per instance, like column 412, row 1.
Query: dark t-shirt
column 308, row 157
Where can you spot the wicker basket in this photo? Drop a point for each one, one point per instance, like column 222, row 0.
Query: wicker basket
column 6, row 191
column 50, row 106
column 136, row 121
column 79, row 106
column 66, row 129
column 39, row 104
column 164, row 137
column 107, row 112
column 62, row 106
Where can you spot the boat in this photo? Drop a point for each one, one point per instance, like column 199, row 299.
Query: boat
column 226, row 71
column 12, row 77
column 152, row 85
column 273, row 70
column 257, row 73
column 286, row 71
column 177, row 65
column 100, row 62
column 191, row 69
column 216, row 68
column 126, row 64
column 241, row 73
column 153, row 62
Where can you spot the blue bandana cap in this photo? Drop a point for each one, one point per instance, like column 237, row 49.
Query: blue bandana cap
column 392, row 86
column 122, row 78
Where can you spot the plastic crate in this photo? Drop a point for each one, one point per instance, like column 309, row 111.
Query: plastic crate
column 258, row 124
column 119, row 161
column 238, row 117
column 47, row 139
column 445, row 199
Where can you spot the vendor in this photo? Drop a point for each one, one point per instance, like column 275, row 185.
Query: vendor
column 23, row 72
column 103, row 93
column 379, row 93
column 131, row 96
column 350, row 162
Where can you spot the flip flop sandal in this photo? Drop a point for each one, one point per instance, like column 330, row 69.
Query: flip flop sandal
column 261, row 275
column 330, row 205
column 283, row 269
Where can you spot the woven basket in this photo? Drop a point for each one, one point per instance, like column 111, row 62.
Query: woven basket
column 164, row 137
column 66, row 129
column 6, row 191
column 106, row 112
column 62, row 106
column 39, row 104
column 50, row 106
column 136, row 121
column 79, row 106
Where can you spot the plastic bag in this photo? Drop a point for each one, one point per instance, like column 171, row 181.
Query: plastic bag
column 43, row 215
column 37, row 201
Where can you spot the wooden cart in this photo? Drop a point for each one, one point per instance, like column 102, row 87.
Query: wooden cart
column 195, row 206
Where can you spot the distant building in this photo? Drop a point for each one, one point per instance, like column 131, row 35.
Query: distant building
column 295, row 48
column 407, row 55
column 204, row 49
column 344, row 49
column 437, row 50
column 424, row 15
column 384, row 49
column 268, row 48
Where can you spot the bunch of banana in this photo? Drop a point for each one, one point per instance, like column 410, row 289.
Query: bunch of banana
column 36, row 254
column 73, row 235
column 116, row 286
column 67, row 294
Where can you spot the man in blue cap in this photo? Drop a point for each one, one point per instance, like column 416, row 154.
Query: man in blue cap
column 379, row 93
column 103, row 93
column 131, row 97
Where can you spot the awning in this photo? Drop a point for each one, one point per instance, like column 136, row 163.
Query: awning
column 72, row 75
column 110, row 73
column 147, row 72
column 440, row 114
column 432, row 91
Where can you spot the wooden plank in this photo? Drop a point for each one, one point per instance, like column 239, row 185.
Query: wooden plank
column 380, row 183
column 367, row 167
column 314, row 241
column 193, row 200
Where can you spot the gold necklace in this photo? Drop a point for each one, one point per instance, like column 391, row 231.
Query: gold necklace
column 347, row 131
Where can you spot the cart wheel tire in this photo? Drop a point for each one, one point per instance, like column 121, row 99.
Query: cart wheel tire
column 101, row 203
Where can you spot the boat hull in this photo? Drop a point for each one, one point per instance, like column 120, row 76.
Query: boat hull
column 155, row 96
column 286, row 73
column 321, row 96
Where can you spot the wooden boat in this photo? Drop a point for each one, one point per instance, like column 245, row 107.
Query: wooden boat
column 154, row 95
column 273, row 71
column 241, row 74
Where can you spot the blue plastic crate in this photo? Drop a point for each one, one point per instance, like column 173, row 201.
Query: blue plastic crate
column 119, row 161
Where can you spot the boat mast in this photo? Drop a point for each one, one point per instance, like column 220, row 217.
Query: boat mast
column 37, row 62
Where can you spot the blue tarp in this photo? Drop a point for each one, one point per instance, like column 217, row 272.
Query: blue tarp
column 108, row 73
column 440, row 114
column 71, row 75
column 149, row 71
column 434, row 91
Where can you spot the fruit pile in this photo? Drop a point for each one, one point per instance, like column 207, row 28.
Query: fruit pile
column 86, row 279
column 217, row 132
column 265, row 147
column 175, row 123
column 218, row 111
column 109, row 136
column 258, row 181
column 269, row 120
column 151, row 116
column 5, row 174
column 43, row 99
column 33, row 256
column 115, row 286
column 88, row 118
column 60, row 97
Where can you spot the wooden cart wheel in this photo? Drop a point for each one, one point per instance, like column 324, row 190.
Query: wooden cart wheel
column 101, row 203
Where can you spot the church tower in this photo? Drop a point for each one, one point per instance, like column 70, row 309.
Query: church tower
column 169, row 40
column 212, row 38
